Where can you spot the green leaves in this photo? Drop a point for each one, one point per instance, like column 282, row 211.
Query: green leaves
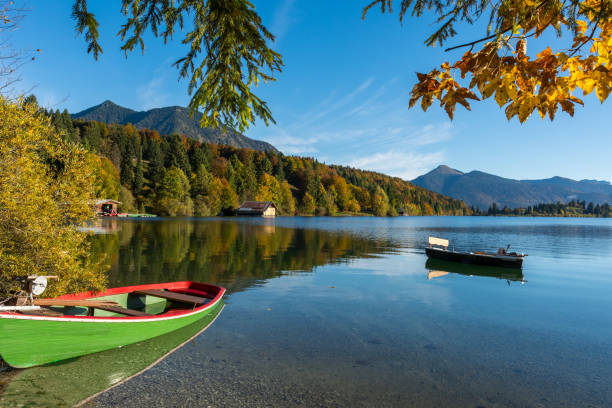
column 46, row 191
column 228, row 36
column 86, row 22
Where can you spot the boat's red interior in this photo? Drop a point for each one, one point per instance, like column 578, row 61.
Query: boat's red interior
column 212, row 292
column 194, row 288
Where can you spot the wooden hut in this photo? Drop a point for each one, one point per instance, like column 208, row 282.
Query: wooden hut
column 107, row 207
column 257, row 209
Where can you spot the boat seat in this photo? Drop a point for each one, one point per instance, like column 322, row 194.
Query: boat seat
column 122, row 310
column 173, row 296
column 74, row 303
column 41, row 312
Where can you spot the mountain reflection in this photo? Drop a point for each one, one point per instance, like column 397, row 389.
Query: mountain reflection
column 236, row 254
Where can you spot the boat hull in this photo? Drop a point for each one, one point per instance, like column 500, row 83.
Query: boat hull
column 510, row 274
column 477, row 259
column 28, row 341
column 65, row 385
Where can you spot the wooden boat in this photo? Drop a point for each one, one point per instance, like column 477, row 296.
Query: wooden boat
column 64, row 385
column 74, row 325
column 438, row 268
column 438, row 248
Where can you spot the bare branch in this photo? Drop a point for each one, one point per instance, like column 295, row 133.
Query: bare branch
column 11, row 60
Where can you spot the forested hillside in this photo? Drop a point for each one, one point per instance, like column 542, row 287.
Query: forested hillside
column 169, row 120
column 175, row 175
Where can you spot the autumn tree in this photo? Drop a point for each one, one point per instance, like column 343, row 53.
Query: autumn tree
column 128, row 202
column 173, row 194
column 46, row 192
column 380, row 202
column 287, row 202
column 344, row 196
column 498, row 66
column 330, row 198
column 221, row 196
column 308, row 205
column 200, row 190
column 106, row 178
column 200, row 182
column 362, row 196
column 269, row 189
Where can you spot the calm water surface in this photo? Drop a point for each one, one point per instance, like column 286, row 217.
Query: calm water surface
column 345, row 312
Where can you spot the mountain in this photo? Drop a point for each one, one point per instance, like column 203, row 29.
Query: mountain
column 482, row 189
column 169, row 120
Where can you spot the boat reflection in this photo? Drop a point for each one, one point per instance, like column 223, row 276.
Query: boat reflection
column 73, row 382
column 438, row 268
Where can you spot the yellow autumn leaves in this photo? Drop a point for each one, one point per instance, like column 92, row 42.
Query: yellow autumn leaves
column 46, row 191
column 501, row 69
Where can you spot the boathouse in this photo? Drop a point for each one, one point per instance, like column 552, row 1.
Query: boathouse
column 106, row 207
column 257, row 209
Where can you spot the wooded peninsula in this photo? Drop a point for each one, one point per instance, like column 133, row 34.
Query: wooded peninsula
column 173, row 175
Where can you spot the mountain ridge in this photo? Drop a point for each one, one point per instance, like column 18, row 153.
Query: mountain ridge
column 481, row 189
column 169, row 120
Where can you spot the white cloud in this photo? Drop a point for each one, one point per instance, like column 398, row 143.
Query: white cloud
column 431, row 134
column 288, row 144
column 340, row 103
column 369, row 128
column 50, row 100
column 282, row 21
column 152, row 94
column 407, row 165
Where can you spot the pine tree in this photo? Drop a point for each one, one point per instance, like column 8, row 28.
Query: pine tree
column 156, row 163
column 279, row 170
column 126, row 171
column 201, row 179
column 176, row 155
column 198, row 157
column 138, row 175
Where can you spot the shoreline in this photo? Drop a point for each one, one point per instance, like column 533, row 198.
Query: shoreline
column 359, row 215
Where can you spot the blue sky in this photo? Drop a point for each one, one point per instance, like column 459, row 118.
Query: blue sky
column 342, row 97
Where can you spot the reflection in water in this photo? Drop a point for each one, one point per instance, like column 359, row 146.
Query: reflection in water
column 65, row 384
column 435, row 274
column 438, row 268
column 231, row 254
column 373, row 332
column 338, row 313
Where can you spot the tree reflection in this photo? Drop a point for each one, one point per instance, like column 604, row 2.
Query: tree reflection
column 229, row 253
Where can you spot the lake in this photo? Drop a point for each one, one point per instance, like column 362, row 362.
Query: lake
column 345, row 311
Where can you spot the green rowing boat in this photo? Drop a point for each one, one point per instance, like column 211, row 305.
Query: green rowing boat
column 64, row 385
column 74, row 325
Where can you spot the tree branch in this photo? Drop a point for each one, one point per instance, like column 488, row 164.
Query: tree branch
column 489, row 37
